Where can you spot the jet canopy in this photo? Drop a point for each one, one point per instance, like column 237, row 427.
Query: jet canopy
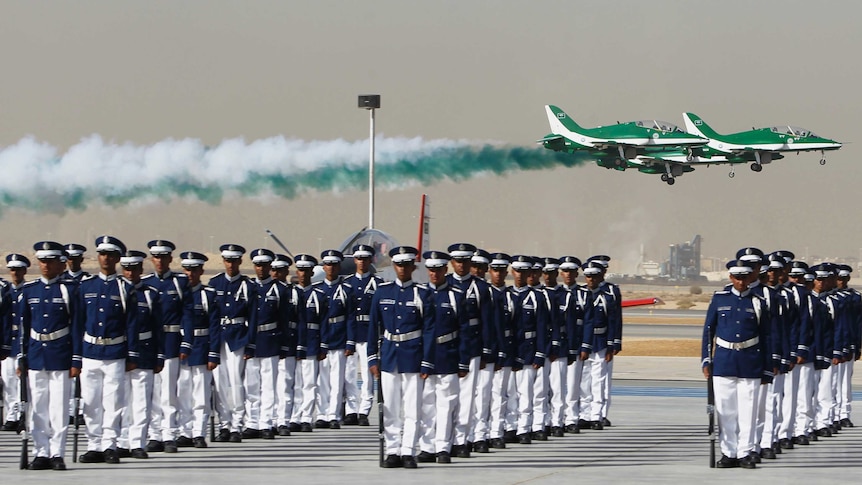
column 659, row 125
column 793, row 131
column 381, row 241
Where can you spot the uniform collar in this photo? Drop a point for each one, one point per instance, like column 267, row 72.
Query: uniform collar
column 167, row 274
column 197, row 287
column 743, row 294
column 404, row 284
column 48, row 282
column 521, row 289
column 233, row 278
column 462, row 278
column 75, row 274
column 333, row 282
column 362, row 276
column 267, row 281
column 442, row 286
column 107, row 277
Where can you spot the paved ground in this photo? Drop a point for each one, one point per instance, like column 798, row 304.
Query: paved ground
column 658, row 436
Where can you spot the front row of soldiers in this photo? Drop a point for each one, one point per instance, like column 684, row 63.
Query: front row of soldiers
column 780, row 343
column 464, row 365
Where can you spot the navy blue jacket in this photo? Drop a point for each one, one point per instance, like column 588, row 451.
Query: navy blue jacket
column 600, row 320
column 504, row 325
column 233, row 299
column 45, row 308
column 449, row 353
column 339, row 308
column 531, row 319
column 107, row 310
column 402, row 318
column 201, row 316
column 363, row 290
column 480, row 339
column 308, row 337
column 150, row 328
column 572, row 306
column 735, row 319
column 172, row 288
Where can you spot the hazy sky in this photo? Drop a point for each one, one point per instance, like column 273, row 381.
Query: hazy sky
column 142, row 72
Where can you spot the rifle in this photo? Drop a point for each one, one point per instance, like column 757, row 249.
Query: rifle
column 380, row 417
column 212, row 411
column 710, row 410
column 22, row 422
column 77, row 421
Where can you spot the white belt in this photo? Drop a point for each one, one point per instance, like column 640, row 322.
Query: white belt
column 402, row 337
column 103, row 340
column 313, row 326
column 172, row 328
column 233, row 321
column 447, row 338
column 145, row 336
column 363, row 318
column 266, row 327
column 337, row 319
column 201, row 332
column 529, row 335
column 736, row 345
column 47, row 337
column 600, row 331
column 474, row 322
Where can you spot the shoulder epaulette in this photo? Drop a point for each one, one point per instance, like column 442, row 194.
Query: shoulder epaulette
column 87, row 277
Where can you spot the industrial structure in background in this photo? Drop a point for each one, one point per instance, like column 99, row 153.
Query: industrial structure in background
column 682, row 265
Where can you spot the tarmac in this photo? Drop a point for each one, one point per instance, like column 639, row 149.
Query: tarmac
column 658, row 436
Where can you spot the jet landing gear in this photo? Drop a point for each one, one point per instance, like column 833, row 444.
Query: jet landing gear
column 756, row 167
column 668, row 177
column 822, row 158
column 732, row 173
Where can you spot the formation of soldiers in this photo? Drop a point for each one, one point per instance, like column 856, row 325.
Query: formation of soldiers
column 464, row 364
column 780, row 343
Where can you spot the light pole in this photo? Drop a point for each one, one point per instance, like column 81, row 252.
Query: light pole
column 370, row 102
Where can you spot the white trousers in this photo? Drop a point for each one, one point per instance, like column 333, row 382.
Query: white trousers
column 594, row 379
column 260, row 382
column 845, row 390
column 788, row 404
column 557, row 383
column 437, row 415
column 163, row 412
column 284, row 390
column 573, row 391
column 735, row 405
column 358, row 383
column 330, row 383
column 607, row 403
column 825, row 400
column 401, row 396
column 540, row 398
column 465, row 421
column 136, row 412
column 11, row 390
column 230, row 388
column 526, row 379
column 48, row 417
column 500, row 398
column 194, row 400
column 482, row 415
column 103, row 396
column 768, row 432
column 805, row 399
column 305, row 388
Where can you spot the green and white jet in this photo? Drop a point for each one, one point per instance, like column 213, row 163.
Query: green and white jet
column 619, row 146
column 758, row 146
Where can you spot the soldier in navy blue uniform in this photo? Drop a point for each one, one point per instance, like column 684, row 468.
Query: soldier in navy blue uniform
column 572, row 304
column 737, row 327
column 291, row 297
column 107, row 313
column 617, row 324
column 199, row 352
column 827, row 315
column 139, row 381
column 74, row 258
column 558, row 351
column 47, row 309
column 778, row 277
column 308, row 350
column 504, row 389
column 475, row 388
column 233, row 291
column 853, row 306
column 531, row 316
column 171, row 287
column 479, row 263
column 359, row 398
column 803, row 372
column 400, row 341
column 333, row 340
column 449, row 361
column 597, row 346
column 17, row 265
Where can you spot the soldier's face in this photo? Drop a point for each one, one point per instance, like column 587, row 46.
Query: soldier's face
column 363, row 265
column 51, row 268
column 820, row 285
column 498, row 276
column 593, row 280
column 17, row 274
column 534, row 277
column 194, row 274
column 231, row 266
column 332, row 270
column 461, row 266
column 304, row 275
column 133, row 273
column 404, row 270
column 479, row 270
column 740, row 281
column 262, row 270
column 108, row 262
column 280, row 274
column 437, row 275
column 773, row 276
column 550, row 278
column 74, row 262
column 841, row 283
column 520, row 276
column 570, row 277
column 162, row 263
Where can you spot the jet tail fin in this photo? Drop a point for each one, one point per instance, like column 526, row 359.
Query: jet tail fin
column 560, row 122
column 696, row 126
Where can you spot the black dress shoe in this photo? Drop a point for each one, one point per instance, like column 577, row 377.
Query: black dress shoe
column 112, row 457
column 597, row 425
column 426, row 457
column 351, row 420
column 825, row 432
column 223, row 436
column 408, row 461
column 837, row 425
column 92, row 457
column 13, row 426
column 557, row 432
column 235, row 437
column 267, row 434
column 154, row 446
column 249, row 433
column 463, row 451
column 124, row 453
column 139, row 454
column 727, row 462
column 755, row 456
column 510, row 436
column 392, row 461
column 481, row 447
column 846, row 423
column 185, row 442
column 283, row 430
column 749, row 461
column 572, row 428
column 443, row 457
column 363, row 420
column 199, row 442
column 40, row 463
column 606, row 422
column 524, row 439
column 58, row 464
column 584, row 424
column 776, row 448
column 498, row 443
column 321, row 424
column 767, row 454
column 334, row 424
column 785, row 443
column 306, row 428
column 812, row 436
column 801, row 440
column 540, row 436
column 171, row 446
column 294, row 427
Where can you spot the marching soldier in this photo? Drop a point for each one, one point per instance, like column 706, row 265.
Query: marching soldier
column 853, row 305
column 233, row 290
column 364, row 285
column 803, row 372
column 172, row 288
column 48, row 311
column 617, row 324
column 400, row 340
column 333, row 340
column 737, row 327
column 287, row 369
column 199, row 351
column 558, row 351
column 771, row 279
column 449, row 361
column 504, row 389
column 107, row 309
column 828, row 344
column 17, row 265
column 74, row 258
column 139, row 381
column 479, row 266
column 308, row 351
column 572, row 305
column 597, row 346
